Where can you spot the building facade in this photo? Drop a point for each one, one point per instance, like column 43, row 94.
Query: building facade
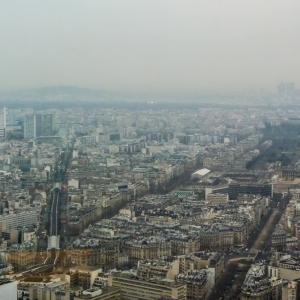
column 132, row 288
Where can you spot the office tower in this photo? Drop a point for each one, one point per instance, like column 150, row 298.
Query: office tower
column 11, row 119
column 3, row 123
column 286, row 89
column 289, row 88
column 29, row 127
column 281, row 89
column 4, row 116
column 37, row 125
column 43, row 125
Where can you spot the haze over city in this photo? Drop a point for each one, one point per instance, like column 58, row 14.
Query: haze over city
column 193, row 202
column 150, row 150
column 161, row 46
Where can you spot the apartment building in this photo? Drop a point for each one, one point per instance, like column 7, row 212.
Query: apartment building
column 209, row 260
column 278, row 240
column 22, row 219
column 55, row 291
column 21, row 258
column 103, row 255
column 135, row 288
column 182, row 244
column 258, row 286
column 83, row 277
column 216, row 199
column 146, row 249
column 158, row 269
column 290, row 290
column 199, row 283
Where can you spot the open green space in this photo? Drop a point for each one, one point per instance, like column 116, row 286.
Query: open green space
column 285, row 148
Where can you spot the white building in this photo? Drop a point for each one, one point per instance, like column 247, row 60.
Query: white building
column 20, row 220
column 200, row 174
column 8, row 289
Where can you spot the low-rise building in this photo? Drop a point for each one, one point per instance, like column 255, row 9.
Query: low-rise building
column 133, row 287
column 83, row 277
column 146, row 249
column 54, row 291
column 108, row 293
column 257, row 285
column 199, row 283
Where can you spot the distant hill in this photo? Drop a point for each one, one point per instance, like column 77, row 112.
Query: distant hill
column 56, row 93
column 71, row 97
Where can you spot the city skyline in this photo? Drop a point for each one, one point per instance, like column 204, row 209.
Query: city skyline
column 150, row 150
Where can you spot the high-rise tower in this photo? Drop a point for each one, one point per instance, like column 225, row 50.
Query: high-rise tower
column 36, row 125
column 4, row 116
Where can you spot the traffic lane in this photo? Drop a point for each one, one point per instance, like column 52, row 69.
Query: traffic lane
column 262, row 256
column 235, row 286
column 278, row 204
column 245, row 254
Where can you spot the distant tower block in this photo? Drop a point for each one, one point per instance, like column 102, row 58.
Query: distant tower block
column 4, row 116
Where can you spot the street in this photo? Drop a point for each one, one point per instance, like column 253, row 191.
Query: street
column 228, row 286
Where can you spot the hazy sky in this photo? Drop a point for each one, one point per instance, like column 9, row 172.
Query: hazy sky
column 139, row 45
